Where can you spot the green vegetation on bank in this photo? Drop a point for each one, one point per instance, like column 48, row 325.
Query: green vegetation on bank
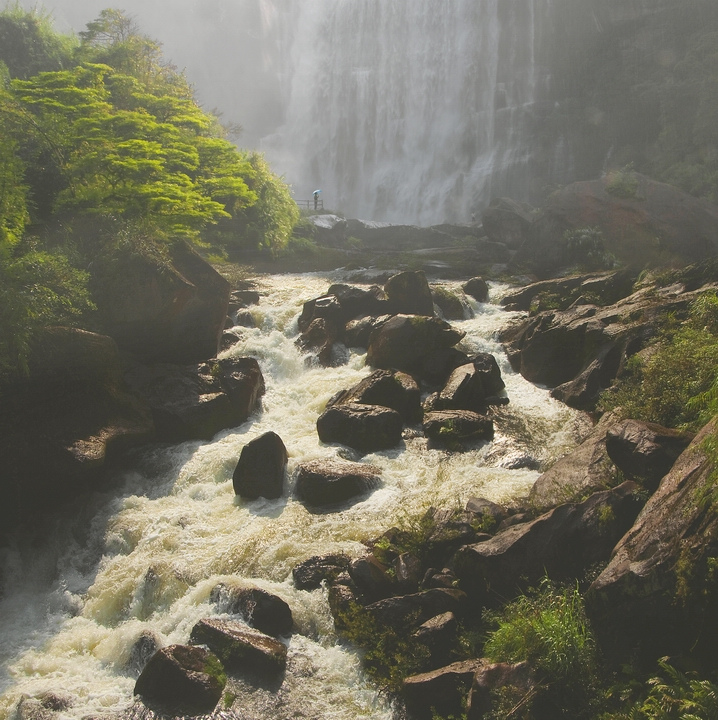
column 105, row 153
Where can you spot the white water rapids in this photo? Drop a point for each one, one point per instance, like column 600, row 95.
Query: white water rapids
column 144, row 556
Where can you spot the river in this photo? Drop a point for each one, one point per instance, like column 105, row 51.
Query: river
column 143, row 556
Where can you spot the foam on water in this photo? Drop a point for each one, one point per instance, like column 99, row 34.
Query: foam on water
column 144, row 559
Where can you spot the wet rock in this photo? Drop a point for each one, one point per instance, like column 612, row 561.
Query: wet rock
column 197, row 401
column 454, row 427
column 328, row 308
column 409, row 294
column 559, row 544
column 146, row 645
column 438, row 366
column 182, row 679
column 230, row 337
column 331, row 482
column 43, row 707
column 240, row 648
column 261, row 468
column 440, row 692
column 656, row 596
column 392, row 389
column 469, row 386
column 319, row 338
column 477, row 288
column 266, row 612
column 357, row 302
column 451, row 305
column 244, row 318
column 310, row 574
column 363, row 427
column 245, row 298
column 645, row 451
column 371, row 579
column 405, row 342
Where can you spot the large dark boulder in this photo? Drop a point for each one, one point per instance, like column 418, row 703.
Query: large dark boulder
column 454, row 427
column 183, row 680
column 262, row 610
column 191, row 402
column 452, row 305
column 410, row 611
column 163, row 312
column 371, row 579
column 310, row 573
column 469, row 386
column 241, row 648
column 657, row 596
column 357, row 302
column 392, row 389
column 327, row 308
column 261, row 466
column 560, row 544
column 645, row 451
column 408, row 292
column 60, row 426
column 363, row 427
column 406, row 342
column 441, row 692
column 477, row 288
column 330, row 482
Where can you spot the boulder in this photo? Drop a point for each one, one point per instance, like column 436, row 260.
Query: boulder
column 245, row 298
column 438, row 366
column 408, row 293
column 657, row 595
column 438, row 635
column 645, row 451
column 493, row 676
column 469, row 386
column 559, row 544
column 508, row 222
column 440, row 692
column 331, row 482
column 477, row 288
column 405, row 342
column 183, row 680
column 163, row 312
column 363, row 427
column 586, row 469
column 451, row 305
column 410, row 611
column 310, row 573
column 61, row 425
column 454, row 427
column 194, row 402
column 371, row 579
column 262, row 610
column 326, row 307
column 408, row 572
column 484, row 513
column 319, row 339
column 240, row 648
column 261, row 467
column 391, row 389
column 359, row 302
column 144, row 647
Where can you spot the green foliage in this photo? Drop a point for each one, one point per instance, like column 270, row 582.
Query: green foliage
column 673, row 695
column 622, row 183
column 548, row 629
column 389, row 656
column 676, row 385
column 585, row 248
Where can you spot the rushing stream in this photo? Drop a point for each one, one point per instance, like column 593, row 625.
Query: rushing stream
column 144, row 557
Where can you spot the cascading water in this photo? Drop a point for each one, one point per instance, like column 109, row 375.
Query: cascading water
column 411, row 110
column 144, row 557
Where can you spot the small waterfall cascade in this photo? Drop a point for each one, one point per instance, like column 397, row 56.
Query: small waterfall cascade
column 412, row 111
column 142, row 558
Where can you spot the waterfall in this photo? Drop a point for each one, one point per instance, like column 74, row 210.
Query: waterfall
column 143, row 557
column 408, row 111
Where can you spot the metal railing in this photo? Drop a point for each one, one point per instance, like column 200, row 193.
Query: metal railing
column 311, row 204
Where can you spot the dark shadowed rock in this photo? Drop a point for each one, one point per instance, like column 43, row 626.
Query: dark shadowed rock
column 453, row 427
column 451, row 305
column 261, row 466
column 485, row 513
column 408, row 572
column 657, row 597
column 310, row 574
column 438, row 634
column 392, row 389
column 645, row 451
column 371, row 579
column 404, row 342
column 406, row 611
column 508, row 222
column 477, row 288
column 441, row 691
column 363, row 427
column 560, row 544
column 330, row 482
column 182, row 679
column 469, row 386
column 146, row 645
column 260, row 609
column 493, row 676
column 241, row 648
column 409, row 294
column 328, row 308
column 357, row 302
column 170, row 312
column 319, row 339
